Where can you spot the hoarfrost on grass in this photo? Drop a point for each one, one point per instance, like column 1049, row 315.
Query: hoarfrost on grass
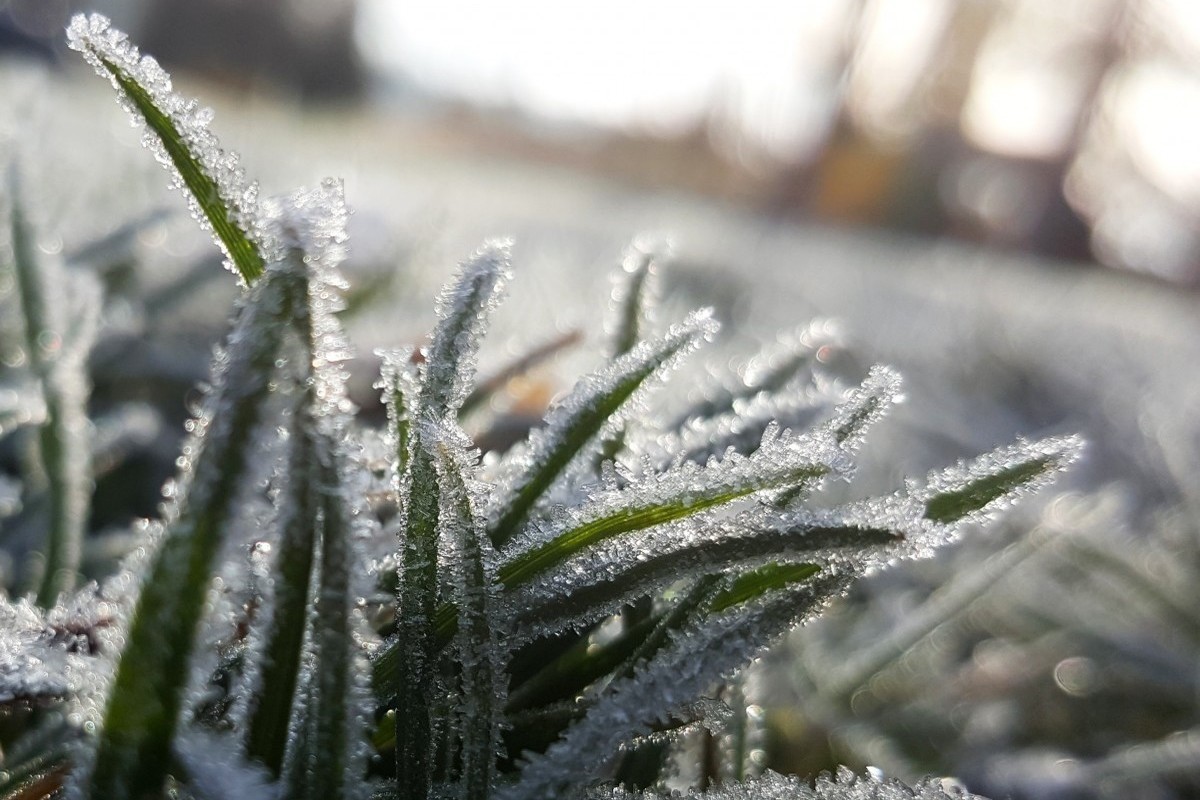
column 113, row 56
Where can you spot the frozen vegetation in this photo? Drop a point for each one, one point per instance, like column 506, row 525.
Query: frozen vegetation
column 325, row 606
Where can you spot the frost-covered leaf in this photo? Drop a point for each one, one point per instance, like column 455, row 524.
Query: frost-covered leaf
column 695, row 659
column 477, row 644
column 598, row 403
column 969, row 490
column 177, row 132
column 783, row 461
column 143, row 705
column 325, row 759
column 463, row 309
column 278, row 641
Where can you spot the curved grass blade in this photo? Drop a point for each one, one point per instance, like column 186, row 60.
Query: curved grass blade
column 969, row 490
column 782, row 462
column 754, row 584
column 212, row 179
column 143, row 707
column 463, row 309
column 694, row 660
column 594, row 404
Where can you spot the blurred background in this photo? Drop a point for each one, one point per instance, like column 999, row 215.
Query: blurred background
column 1000, row 197
column 1063, row 128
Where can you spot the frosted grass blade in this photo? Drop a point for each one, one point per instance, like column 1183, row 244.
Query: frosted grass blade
column 783, row 462
column 694, row 660
column 969, row 490
column 56, row 359
column 596, row 403
column 415, row 636
column 400, row 384
column 280, row 641
column 133, row 748
column 179, row 136
column 754, row 584
column 323, row 760
column 594, row 584
column 482, row 681
column 463, row 310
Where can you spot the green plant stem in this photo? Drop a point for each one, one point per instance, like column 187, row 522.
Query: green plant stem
column 62, row 448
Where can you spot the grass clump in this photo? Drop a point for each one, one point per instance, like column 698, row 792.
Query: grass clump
column 549, row 623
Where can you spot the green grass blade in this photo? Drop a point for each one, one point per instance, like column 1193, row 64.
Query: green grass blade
column 322, row 763
column 593, row 404
column 134, row 744
column 210, row 177
column 969, row 490
column 415, row 675
column 463, row 309
column 754, row 584
column 681, row 493
column 283, row 635
column 63, row 452
column 478, row 649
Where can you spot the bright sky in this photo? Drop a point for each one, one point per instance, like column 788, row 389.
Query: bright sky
column 658, row 64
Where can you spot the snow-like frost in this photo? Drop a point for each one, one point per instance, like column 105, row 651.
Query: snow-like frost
column 1029, row 465
column 93, row 36
column 773, row 786
column 217, row 770
column 463, row 309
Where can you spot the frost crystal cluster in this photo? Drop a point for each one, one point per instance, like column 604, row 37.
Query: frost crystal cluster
column 325, row 610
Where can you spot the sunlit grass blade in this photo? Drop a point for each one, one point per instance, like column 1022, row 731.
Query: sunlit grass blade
column 586, row 589
column 594, row 404
column 969, row 490
column 56, row 358
column 755, row 583
column 682, row 492
column 144, row 703
column 211, row 178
